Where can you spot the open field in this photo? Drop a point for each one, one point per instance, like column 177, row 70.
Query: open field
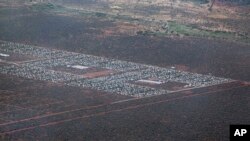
column 99, row 36
column 36, row 106
column 47, row 111
column 121, row 70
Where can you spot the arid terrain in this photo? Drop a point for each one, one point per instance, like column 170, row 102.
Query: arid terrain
column 123, row 69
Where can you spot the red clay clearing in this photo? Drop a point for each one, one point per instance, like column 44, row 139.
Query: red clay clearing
column 97, row 74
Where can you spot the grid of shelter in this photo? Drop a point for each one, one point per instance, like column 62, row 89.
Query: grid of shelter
column 100, row 73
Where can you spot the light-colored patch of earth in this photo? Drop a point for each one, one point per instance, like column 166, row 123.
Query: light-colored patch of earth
column 97, row 74
column 182, row 67
column 121, row 28
column 221, row 27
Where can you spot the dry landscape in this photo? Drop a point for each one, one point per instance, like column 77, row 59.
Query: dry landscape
column 123, row 69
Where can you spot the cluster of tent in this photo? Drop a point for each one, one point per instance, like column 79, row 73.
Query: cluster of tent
column 120, row 83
